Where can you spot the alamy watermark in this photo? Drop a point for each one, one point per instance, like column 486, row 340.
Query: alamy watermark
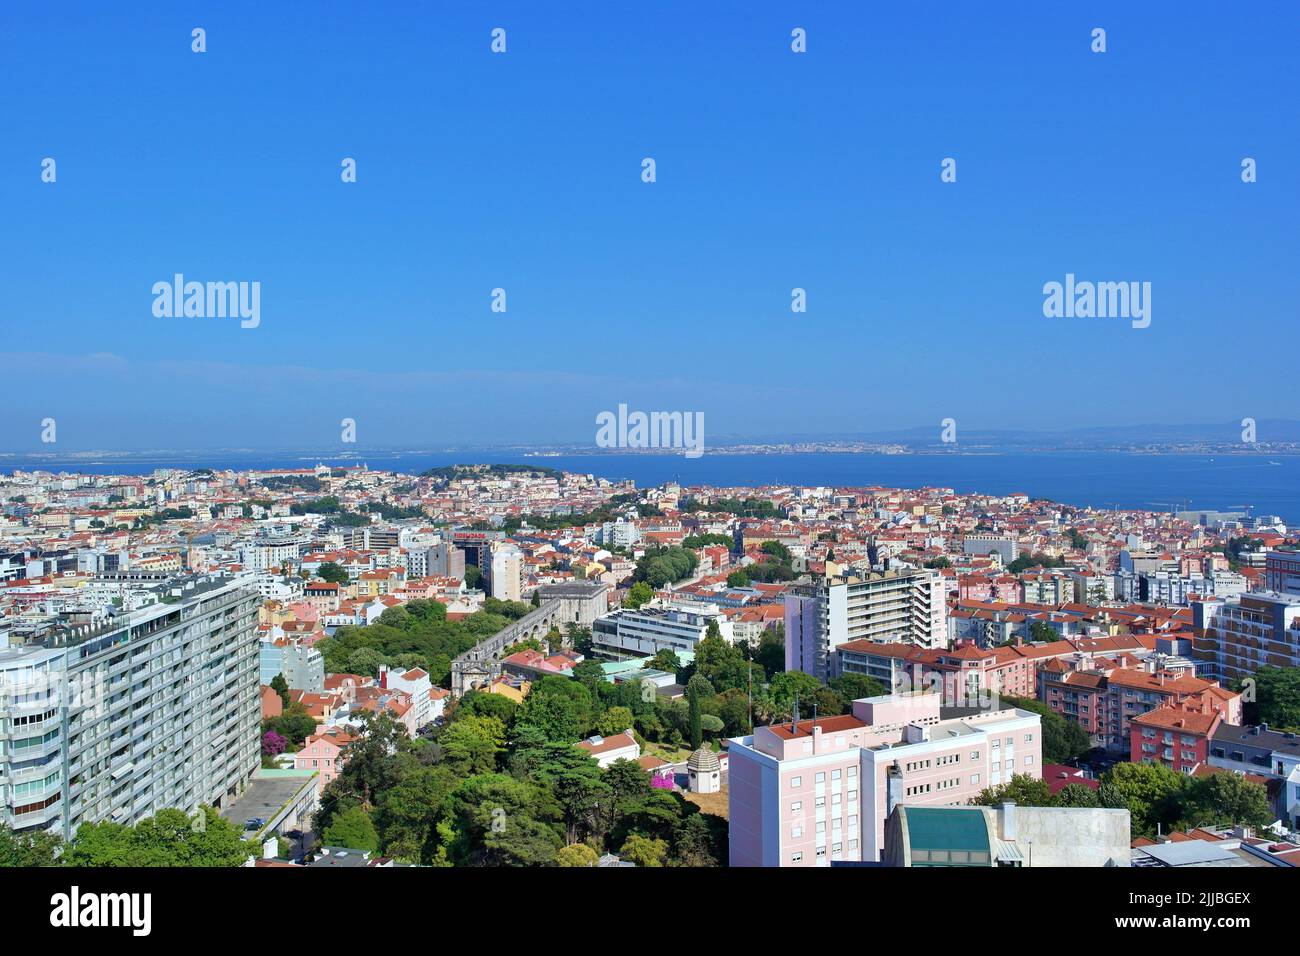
column 1102, row 300
column 210, row 300
column 626, row 429
column 75, row 908
column 38, row 693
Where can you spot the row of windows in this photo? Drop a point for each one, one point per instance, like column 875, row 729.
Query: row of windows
column 797, row 856
column 916, row 765
column 29, row 743
column 851, row 773
column 797, row 805
column 33, row 807
column 796, row 830
column 33, row 718
column 35, row 786
column 1149, row 733
column 1011, row 764
column 840, row 740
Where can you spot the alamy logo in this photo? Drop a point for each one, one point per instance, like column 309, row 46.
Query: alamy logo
column 654, row 430
column 210, row 300
column 1102, row 300
column 73, row 909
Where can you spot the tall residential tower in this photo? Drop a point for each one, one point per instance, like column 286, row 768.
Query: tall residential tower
column 133, row 712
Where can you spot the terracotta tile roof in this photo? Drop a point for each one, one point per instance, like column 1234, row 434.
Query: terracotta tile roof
column 607, row 744
column 1180, row 719
column 828, row 725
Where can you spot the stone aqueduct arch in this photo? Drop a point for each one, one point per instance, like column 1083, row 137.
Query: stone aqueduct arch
column 482, row 663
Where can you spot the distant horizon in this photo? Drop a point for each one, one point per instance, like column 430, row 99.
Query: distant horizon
column 916, row 439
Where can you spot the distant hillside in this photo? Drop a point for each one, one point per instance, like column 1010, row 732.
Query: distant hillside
column 449, row 473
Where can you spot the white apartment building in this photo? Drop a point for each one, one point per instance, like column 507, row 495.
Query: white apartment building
column 1167, row 587
column 262, row 554
column 907, row 605
column 158, row 708
column 507, row 575
column 302, row 667
column 1004, row 545
column 639, row 632
column 277, row 587
column 417, row 685
column 620, row 533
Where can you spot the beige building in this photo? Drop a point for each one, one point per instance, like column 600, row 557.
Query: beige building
column 1006, row 836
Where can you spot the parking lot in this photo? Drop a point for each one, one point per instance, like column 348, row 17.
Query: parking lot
column 264, row 798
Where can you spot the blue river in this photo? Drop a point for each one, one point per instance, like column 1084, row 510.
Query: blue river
column 1270, row 485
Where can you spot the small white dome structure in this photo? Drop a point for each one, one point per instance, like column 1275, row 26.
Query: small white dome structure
column 705, row 771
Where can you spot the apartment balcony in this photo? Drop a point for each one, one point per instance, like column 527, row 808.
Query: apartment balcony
column 35, row 728
column 37, row 817
column 30, row 774
column 44, row 749
column 16, row 708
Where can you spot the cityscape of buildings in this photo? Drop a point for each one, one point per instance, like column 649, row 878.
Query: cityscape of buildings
column 815, row 676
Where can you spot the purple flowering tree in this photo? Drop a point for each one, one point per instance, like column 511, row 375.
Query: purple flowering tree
column 273, row 744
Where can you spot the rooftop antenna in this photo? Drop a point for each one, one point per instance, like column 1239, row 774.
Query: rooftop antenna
column 794, row 716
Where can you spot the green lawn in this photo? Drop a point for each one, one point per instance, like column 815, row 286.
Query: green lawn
column 666, row 752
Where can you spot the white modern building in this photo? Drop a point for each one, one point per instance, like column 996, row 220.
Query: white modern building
column 262, row 554
column 645, row 631
column 156, row 708
column 302, row 666
column 417, row 685
column 507, row 574
column 1004, row 545
column 1167, row 587
column 619, row 533
column 907, row 605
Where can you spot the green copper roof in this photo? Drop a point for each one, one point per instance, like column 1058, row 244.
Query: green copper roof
column 947, row 836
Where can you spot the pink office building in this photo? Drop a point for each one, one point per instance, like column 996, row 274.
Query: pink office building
column 814, row 792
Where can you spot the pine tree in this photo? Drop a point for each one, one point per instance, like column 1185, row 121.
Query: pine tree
column 697, row 734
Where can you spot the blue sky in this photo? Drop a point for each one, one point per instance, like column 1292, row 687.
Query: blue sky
column 522, row 171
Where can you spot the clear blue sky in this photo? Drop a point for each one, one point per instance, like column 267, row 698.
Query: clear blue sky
column 522, row 171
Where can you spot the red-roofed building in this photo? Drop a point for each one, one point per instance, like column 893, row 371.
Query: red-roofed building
column 608, row 749
column 1059, row 776
column 1076, row 695
column 1134, row 692
column 1176, row 736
